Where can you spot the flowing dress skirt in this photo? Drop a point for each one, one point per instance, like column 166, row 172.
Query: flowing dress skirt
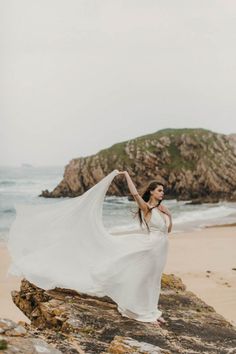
column 66, row 245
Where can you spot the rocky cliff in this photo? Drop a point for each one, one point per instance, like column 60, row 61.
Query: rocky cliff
column 194, row 164
column 65, row 321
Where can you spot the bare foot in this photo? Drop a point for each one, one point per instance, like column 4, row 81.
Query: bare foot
column 161, row 320
column 156, row 324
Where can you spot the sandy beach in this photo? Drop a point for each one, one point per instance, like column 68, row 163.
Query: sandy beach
column 203, row 259
column 7, row 307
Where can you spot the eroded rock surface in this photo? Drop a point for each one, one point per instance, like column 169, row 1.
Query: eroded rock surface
column 78, row 323
column 14, row 338
column 194, row 164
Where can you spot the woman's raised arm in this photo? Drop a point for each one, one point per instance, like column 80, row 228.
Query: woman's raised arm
column 139, row 200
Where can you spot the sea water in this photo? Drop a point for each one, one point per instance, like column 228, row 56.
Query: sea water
column 24, row 184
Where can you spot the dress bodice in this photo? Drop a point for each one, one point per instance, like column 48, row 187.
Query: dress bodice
column 157, row 222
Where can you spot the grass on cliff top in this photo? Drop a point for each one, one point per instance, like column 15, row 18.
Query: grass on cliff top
column 175, row 133
column 118, row 148
column 159, row 134
column 145, row 144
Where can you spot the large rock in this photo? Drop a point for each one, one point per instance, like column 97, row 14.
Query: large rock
column 14, row 338
column 194, row 164
column 78, row 323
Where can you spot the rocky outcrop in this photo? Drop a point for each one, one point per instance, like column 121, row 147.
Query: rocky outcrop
column 194, row 164
column 14, row 338
column 73, row 322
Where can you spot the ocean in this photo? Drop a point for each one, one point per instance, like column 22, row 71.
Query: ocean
column 24, row 184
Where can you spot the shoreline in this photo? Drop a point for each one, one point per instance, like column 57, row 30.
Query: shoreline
column 207, row 268
column 221, row 225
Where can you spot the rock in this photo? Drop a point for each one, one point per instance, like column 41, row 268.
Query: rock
column 171, row 281
column 126, row 345
column 15, row 338
column 10, row 328
column 75, row 322
column 3, row 343
column 194, row 164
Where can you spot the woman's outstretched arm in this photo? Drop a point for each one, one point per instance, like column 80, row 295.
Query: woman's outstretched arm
column 139, row 200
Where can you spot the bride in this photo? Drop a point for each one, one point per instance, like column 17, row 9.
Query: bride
column 65, row 244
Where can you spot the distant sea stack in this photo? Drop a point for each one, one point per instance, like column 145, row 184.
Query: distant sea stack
column 194, row 164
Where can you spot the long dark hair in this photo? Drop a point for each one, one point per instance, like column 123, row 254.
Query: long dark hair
column 146, row 196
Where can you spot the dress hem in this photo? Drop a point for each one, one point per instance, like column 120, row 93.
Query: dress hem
column 140, row 318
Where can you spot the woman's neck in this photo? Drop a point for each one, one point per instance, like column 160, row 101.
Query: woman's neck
column 153, row 202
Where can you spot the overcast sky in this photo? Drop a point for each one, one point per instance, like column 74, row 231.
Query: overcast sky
column 80, row 75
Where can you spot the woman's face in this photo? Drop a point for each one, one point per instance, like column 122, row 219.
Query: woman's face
column 158, row 193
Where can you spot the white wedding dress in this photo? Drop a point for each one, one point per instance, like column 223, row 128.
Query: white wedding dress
column 66, row 245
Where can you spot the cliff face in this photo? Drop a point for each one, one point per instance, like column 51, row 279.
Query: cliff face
column 194, row 164
column 71, row 322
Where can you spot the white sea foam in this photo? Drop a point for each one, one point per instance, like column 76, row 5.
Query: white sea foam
column 218, row 211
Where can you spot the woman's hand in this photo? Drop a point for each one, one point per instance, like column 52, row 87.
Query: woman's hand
column 123, row 172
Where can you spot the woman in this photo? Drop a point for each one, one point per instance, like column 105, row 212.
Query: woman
column 149, row 202
column 65, row 244
column 151, row 198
